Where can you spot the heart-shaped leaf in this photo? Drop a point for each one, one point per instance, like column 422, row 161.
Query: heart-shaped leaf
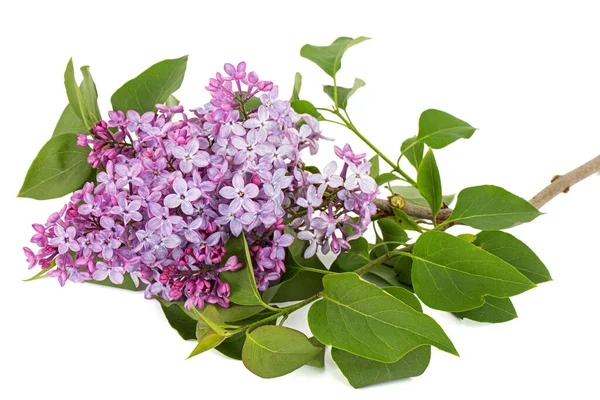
column 329, row 58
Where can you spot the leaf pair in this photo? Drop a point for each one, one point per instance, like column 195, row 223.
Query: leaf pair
column 329, row 58
column 61, row 167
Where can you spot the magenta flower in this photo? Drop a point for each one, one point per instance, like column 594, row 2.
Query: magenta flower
column 183, row 197
column 89, row 244
column 31, row 257
column 359, row 177
column 116, row 119
column 162, row 219
column 190, row 156
column 261, row 122
column 65, row 239
column 136, row 123
column 280, row 242
column 230, row 214
column 104, row 270
column 239, row 192
column 128, row 176
column 127, row 210
column 327, row 179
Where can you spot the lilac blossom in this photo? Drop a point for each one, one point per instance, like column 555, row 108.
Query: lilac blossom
column 190, row 156
column 359, row 177
column 175, row 186
column 183, row 197
column 239, row 192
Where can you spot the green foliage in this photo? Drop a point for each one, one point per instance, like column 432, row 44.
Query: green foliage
column 69, row 122
column 297, row 87
column 151, row 87
column 329, row 58
column 242, row 282
column 179, row 318
column 82, row 99
column 306, row 107
column 491, row 207
column 430, row 183
column 272, row 351
column 451, row 274
column 413, row 196
column 514, row 252
column 392, row 231
column 60, row 168
column 343, row 94
column 495, row 310
column 362, row 319
column 438, row 129
column 362, row 372
column 413, row 149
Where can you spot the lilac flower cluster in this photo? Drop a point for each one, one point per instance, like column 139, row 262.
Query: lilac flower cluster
column 173, row 187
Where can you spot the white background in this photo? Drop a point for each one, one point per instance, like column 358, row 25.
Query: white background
column 526, row 74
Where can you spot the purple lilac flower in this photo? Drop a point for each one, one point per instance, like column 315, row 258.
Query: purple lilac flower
column 359, row 177
column 190, row 156
column 174, row 187
column 239, row 192
column 183, row 197
column 65, row 239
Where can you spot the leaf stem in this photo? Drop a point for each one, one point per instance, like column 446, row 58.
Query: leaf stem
column 282, row 312
column 395, row 167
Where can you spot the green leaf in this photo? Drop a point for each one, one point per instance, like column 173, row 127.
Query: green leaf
column 438, row 129
column 495, row 310
column 382, row 276
column 514, row 252
column 151, row 87
column 406, row 222
column 405, row 296
column 362, row 372
column 208, row 341
column 451, row 274
column 237, row 313
column 374, row 171
column 297, row 284
column 82, row 99
column 319, row 360
column 490, row 207
column 392, row 231
column 430, row 183
column 360, row 318
column 89, row 95
column 306, row 107
column 329, row 58
column 412, row 195
column 385, row 178
column 205, row 333
column 232, row 346
column 413, row 152
column 69, row 122
column 403, row 268
column 272, row 351
column 179, row 319
column 353, row 259
column 242, row 282
column 297, row 86
column 60, row 168
column 343, row 94
column 171, row 101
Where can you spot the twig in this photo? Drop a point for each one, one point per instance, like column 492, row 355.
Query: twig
column 559, row 184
